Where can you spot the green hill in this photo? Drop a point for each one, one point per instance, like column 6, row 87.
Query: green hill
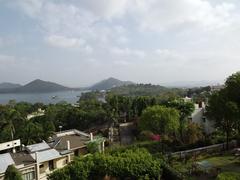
column 147, row 90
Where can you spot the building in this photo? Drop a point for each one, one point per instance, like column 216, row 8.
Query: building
column 198, row 116
column 36, row 161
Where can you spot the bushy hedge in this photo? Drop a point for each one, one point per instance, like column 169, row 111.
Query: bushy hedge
column 133, row 164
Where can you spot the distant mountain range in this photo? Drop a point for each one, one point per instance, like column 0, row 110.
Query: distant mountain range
column 40, row 86
column 36, row 86
column 192, row 84
column 6, row 85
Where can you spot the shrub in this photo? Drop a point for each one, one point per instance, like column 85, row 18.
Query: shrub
column 93, row 147
column 133, row 164
column 170, row 174
column 61, row 174
column 12, row 173
column 229, row 176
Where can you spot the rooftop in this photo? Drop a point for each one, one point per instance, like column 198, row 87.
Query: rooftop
column 37, row 147
column 76, row 138
column 22, row 158
column 5, row 161
column 46, row 155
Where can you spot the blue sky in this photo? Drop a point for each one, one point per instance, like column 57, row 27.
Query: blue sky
column 79, row 42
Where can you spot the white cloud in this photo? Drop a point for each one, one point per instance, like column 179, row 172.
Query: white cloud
column 31, row 7
column 64, row 42
column 6, row 59
column 126, row 52
column 122, row 40
column 161, row 15
column 167, row 54
column 107, row 8
column 184, row 30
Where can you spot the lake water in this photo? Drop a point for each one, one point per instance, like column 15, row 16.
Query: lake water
column 46, row 98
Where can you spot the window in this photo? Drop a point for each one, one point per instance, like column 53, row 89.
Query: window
column 29, row 176
column 51, row 165
column 41, row 166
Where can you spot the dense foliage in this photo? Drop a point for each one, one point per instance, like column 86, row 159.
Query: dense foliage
column 132, row 164
column 148, row 90
column 94, row 109
column 228, row 176
column 224, row 107
column 160, row 120
column 12, row 174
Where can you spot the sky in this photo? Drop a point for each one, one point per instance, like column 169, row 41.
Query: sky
column 79, row 42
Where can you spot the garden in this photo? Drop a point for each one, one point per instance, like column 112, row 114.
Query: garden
column 223, row 166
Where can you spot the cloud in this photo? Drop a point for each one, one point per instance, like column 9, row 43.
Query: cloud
column 126, row 52
column 107, row 8
column 64, row 42
column 169, row 36
column 167, row 54
column 159, row 15
column 6, row 59
column 122, row 40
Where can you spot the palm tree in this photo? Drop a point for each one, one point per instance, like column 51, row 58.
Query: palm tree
column 9, row 120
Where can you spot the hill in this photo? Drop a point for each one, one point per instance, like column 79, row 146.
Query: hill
column 37, row 86
column 7, row 85
column 147, row 90
column 109, row 83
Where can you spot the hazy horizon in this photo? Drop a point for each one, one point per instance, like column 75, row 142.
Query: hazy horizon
column 80, row 42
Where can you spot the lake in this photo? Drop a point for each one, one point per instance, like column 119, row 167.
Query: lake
column 46, row 98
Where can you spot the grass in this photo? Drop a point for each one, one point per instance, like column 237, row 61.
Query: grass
column 227, row 163
column 229, row 176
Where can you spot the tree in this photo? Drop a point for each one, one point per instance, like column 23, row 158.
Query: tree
column 232, row 86
column 9, row 120
column 194, row 133
column 160, row 120
column 33, row 133
column 224, row 112
column 12, row 174
column 185, row 110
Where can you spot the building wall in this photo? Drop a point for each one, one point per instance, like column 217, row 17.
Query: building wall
column 199, row 117
column 45, row 170
column 24, row 171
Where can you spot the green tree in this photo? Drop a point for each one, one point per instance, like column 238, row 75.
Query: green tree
column 225, row 113
column 12, row 174
column 33, row 133
column 232, row 87
column 160, row 120
column 185, row 110
column 10, row 120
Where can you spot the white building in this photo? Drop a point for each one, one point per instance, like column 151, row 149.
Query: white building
column 198, row 116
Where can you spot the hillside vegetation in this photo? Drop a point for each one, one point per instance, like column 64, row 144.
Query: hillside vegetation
column 147, row 90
